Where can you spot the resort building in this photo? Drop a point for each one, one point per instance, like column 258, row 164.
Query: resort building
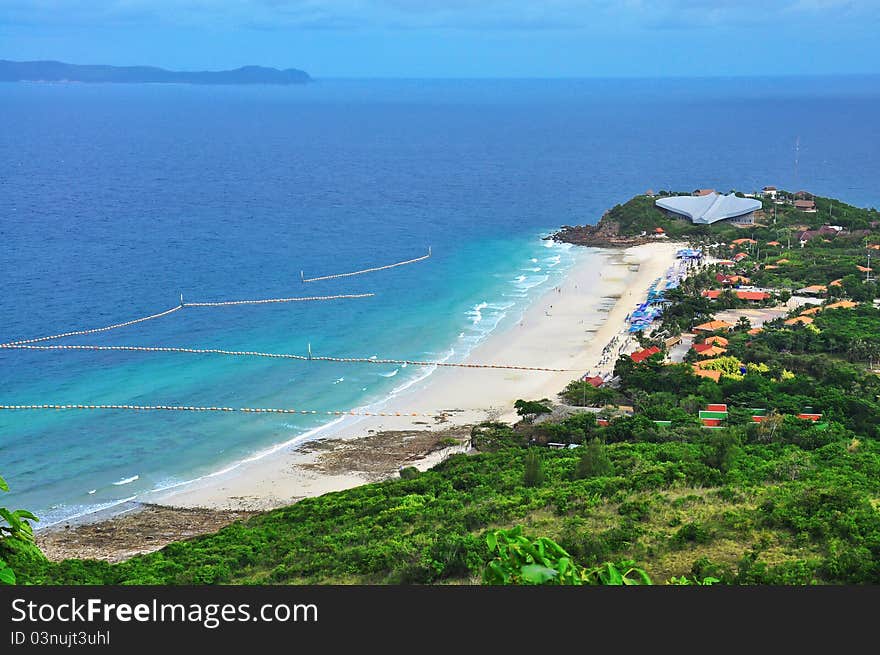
column 751, row 296
column 708, row 350
column 808, row 206
column 641, row 355
column 713, row 326
column 712, row 375
column 732, row 279
column 711, row 207
column 769, row 192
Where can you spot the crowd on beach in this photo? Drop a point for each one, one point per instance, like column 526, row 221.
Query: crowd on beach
column 645, row 314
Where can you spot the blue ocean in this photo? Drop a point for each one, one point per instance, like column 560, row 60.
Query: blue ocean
column 116, row 199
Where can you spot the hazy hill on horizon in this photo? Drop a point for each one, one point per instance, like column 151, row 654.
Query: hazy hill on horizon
column 56, row 71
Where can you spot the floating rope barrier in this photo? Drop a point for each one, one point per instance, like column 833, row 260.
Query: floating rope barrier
column 188, row 304
column 274, row 300
column 410, row 362
column 158, row 349
column 366, row 270
column 252, row 353
column 94, row 330
column 248, row 410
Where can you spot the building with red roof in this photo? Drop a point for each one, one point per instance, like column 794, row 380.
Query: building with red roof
column 712, row 375
column 751, row 296
column 732, row 279
column 641, row 355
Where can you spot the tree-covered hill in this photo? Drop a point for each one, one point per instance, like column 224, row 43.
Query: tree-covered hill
column 636, row 221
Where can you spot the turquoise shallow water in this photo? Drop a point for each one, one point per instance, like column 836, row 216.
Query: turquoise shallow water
column 115, row 199
column 67, row 463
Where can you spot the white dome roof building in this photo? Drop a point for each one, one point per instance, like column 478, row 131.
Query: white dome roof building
column 711, row 208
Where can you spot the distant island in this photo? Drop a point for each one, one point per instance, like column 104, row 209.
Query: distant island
column 56, row 71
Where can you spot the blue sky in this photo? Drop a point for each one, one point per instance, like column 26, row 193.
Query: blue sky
column 455, row 38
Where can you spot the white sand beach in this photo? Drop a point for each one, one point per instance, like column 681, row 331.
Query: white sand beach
column 567, row 328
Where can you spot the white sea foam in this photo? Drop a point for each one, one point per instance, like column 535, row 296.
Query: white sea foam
column 300, row 438
column 391, row 374
column 81, row 510
column 338, row 380
column 476, row 314
column 530, row 282
column 119, row 483
column 418, row 378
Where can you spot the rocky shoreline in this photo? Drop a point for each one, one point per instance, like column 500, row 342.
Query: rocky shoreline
column 147, row 527
column 605, row 234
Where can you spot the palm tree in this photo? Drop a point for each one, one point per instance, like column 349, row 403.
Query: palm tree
column 858, row 349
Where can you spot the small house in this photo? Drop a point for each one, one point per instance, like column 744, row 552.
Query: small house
column 713, row 326
column 641, row 355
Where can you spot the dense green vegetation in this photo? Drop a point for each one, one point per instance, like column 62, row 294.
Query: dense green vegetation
column 651, row 494
column 521, row 560
column 680, row 502
column 16, row 537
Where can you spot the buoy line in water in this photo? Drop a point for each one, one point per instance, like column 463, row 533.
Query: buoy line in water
column 224, row 303
column 190, row 408
column 183, row 305
column 253, row 353
column 94, row 330
column 366, row 270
